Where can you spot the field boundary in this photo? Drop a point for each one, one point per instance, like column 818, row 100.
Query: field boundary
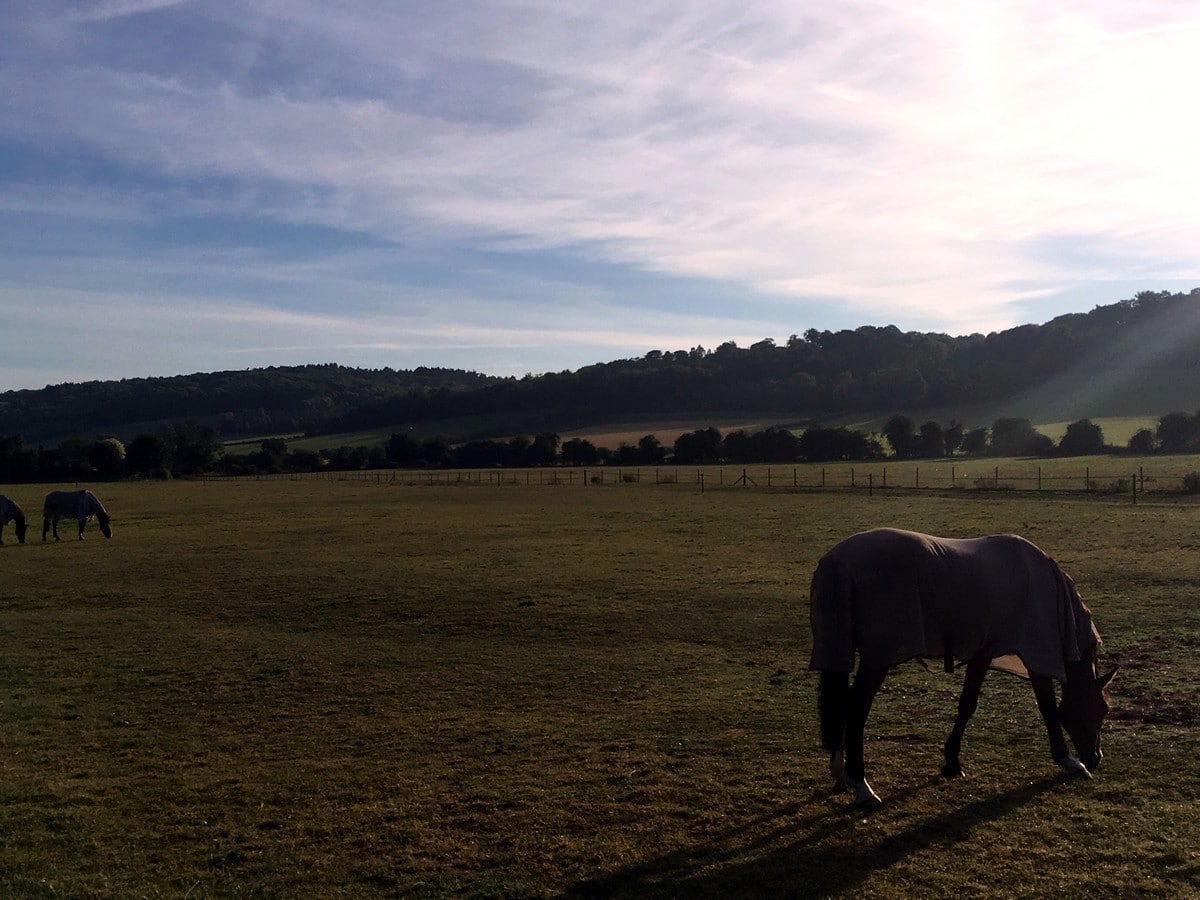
column 861, row 477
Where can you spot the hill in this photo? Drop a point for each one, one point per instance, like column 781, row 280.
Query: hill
column 1138, row 357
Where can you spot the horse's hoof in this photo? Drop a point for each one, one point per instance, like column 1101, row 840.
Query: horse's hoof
column 952, row 770
column 864, row 797
column 1074, row 767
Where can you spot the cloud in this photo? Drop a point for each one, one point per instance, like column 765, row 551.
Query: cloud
column 922, row 162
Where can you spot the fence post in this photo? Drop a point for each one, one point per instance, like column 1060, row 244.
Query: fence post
column 1134, row 480
column 996, row 478
column 952, row 476
column 917, row 481
column 1039, row 478
column 1087, row 478
column 870, row 484
column 884, row 477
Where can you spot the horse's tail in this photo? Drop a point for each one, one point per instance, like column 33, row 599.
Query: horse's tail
column 831, row 611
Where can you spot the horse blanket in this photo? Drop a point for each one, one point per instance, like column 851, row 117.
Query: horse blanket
column 897, row 595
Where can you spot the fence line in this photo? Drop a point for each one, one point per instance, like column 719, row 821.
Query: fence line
column 869, row 477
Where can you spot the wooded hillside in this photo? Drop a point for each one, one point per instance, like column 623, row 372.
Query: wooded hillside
column 1138, row 356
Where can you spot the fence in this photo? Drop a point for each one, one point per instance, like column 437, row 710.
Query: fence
column 1059, row 477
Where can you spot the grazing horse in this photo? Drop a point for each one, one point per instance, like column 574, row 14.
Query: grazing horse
column 991, row 602
column 78, row 505
column 10, row 512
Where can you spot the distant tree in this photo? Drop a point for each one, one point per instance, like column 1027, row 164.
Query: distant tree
column 17, row 462
column 148, row 455
column 402, row 450
column 272, row 455
column 736, row 447
column 975, row 442
column 837, row 445
column 931, row 441
column 306, row 461
column 194, row 448
column 900, row 433
column 543, row 449
column 953, row 437
column 1018, row 437
column 1083, row 438
column 107, row 458
column 1179, row 432
column 1142, row 441
column 698, row 447
column 479, row 454
column 651, row 452
column 579, row 452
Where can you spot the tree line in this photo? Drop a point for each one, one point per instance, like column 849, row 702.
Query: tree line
column 810, row 375
column 187, row 449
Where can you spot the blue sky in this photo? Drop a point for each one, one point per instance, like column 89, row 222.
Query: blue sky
column 533, row 186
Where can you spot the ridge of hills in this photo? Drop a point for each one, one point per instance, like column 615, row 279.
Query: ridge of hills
column 1136, row 357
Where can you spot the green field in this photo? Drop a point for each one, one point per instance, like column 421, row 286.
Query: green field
column 344, row 688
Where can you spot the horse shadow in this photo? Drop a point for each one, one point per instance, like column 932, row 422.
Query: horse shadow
column 792, row 852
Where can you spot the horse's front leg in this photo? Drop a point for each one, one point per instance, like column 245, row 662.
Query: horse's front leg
column 968, row 702
column 1043, row 690
column 862, row 694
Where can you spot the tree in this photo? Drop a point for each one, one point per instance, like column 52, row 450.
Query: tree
column 953, row 438
column 1018, row 437
column 1142, row 441
column 148, row 455
column 651, row 452
column 975, row 442
column 900, row 434
column 579, row 452
column 931, row 441
column 1083, row 438
column 543, row 450
column 698, row 447
column 107, row 458
column 1179, row 432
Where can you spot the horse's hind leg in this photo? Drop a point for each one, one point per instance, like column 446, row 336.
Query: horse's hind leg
column 968, row 702
column 862, row 694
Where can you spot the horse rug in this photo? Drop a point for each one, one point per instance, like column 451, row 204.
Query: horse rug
column 897, row 595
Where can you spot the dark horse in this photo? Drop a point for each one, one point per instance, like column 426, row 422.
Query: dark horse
column 991, row 602
column 77, row 505
column 10, row 512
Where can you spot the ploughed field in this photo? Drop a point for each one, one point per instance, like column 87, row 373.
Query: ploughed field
column 347, row 688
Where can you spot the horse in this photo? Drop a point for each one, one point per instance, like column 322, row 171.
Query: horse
column 78, row 505
column 990, row 602
column 10, row 512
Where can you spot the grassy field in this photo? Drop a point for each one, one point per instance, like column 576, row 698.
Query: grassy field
column 323, row 688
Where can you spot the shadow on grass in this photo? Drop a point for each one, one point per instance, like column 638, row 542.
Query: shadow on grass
column 796, row 852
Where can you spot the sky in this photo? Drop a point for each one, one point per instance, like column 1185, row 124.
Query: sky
column 527, row 186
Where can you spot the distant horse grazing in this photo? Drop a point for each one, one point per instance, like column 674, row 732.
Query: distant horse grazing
column 992, row 602
column 10, row 512
column 78, row 505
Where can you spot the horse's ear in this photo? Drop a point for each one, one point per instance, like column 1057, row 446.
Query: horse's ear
column 1103, row 680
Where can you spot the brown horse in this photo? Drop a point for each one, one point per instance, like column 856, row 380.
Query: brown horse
column 991, row 602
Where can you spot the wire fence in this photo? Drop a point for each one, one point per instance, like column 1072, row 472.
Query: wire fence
column 1132, row 481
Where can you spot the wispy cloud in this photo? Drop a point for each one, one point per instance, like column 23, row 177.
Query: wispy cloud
column 866, row 161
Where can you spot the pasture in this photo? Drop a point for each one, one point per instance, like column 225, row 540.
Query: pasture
column 337, row 688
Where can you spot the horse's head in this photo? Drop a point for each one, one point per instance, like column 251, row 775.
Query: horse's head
column 1083, row 708
column 19, row 527
column 105, row 523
